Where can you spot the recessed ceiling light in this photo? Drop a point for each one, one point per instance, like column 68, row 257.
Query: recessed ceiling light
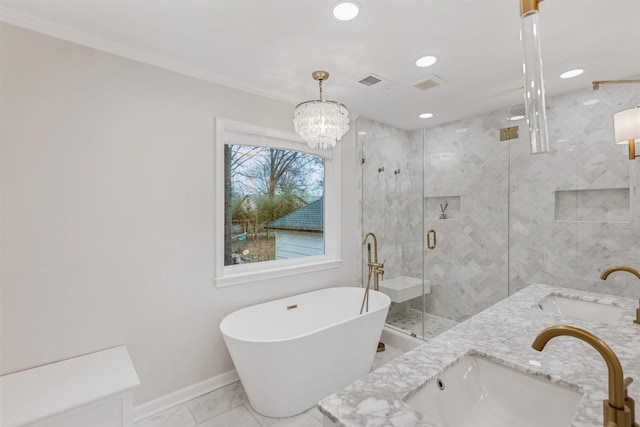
column 517, row 117
column 571, row 73
column 346, row 10
column 591, row 102
column 426, row 61
column 425, row 115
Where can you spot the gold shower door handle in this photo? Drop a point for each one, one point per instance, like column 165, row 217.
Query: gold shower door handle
column 431, row 233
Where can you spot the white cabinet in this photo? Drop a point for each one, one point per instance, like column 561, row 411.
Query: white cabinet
column 91, row 390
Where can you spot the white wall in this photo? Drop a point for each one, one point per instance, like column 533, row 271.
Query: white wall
column 107, row 212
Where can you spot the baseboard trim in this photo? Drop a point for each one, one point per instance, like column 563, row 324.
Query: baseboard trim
column 183, row 395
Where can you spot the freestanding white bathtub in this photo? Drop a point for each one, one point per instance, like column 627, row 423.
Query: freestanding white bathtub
column 292, row 352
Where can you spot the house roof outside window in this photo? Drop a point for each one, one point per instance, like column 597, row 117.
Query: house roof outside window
column 307, row 218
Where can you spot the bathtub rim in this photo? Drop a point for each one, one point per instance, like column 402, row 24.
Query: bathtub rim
column 384, row 298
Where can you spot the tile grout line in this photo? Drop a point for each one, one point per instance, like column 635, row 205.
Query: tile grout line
column 193, row 417
column 251, row 413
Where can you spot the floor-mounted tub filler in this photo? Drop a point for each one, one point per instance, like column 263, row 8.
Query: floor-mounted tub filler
column 292, row 352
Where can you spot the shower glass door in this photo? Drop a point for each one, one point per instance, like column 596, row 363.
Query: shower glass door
column 392, row 209
column 438, row 201
column 466, row 206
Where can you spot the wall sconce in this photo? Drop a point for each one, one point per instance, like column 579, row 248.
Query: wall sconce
column 534, row 97
column 626, row 125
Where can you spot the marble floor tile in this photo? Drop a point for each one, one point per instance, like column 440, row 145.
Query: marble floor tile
column 178, row 416
column 229, row 407
column 264, row 421
column 316, row 413
column 306, row 419
column 217, row 402
column 410, row 321
column 385, row 356
column 236, row 417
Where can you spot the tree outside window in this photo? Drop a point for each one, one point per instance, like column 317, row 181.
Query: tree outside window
column 273, row 204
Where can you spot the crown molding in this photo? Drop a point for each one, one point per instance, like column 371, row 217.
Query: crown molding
column 62, row 32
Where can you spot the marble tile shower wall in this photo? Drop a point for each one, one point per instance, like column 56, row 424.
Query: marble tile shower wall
column 517, row 218
column 564, row 248
column 465, row 161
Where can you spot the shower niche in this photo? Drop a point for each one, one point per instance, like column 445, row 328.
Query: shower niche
column 442, row 207
column 592, row 205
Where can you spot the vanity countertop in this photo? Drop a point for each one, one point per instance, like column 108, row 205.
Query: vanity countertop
column 505, row 332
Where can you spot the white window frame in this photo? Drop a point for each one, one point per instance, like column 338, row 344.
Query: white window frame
column 239, row 133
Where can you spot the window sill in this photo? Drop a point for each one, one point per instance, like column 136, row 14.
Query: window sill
column 243, row 275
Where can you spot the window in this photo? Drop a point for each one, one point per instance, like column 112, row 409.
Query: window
column 273, row 199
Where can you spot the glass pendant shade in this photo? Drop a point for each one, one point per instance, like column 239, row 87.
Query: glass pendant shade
column 321, row 123
column 534, row 96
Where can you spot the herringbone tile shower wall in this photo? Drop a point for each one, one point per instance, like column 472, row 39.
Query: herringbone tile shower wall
column 514, row 218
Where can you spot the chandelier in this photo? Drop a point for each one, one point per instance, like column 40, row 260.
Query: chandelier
column 321, row 123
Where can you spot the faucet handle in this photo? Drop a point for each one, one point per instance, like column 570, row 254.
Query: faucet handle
column 625, row 386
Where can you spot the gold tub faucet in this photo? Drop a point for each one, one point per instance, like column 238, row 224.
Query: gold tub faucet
column 619, row 409
column 633, row 271
column 376, row 269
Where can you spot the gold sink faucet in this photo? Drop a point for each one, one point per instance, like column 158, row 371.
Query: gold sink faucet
column 619, row 409
column 633, row 271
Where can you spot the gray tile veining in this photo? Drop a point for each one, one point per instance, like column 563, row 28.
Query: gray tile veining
column 178, row 416
column 306, row 419
column 217, row 402
column 238, row 416
column 503, row 332
column 264, row 421
column 410, row 320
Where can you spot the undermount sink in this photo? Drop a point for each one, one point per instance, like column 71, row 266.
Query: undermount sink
column 581, row 309
column 480, row 392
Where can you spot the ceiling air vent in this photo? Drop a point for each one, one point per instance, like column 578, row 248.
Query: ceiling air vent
column 370, row 81
column 429, row 82
column 377, row 82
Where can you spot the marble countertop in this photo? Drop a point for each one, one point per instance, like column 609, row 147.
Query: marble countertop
column 504, row 332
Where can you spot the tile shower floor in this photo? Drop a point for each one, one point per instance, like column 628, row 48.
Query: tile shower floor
column 229, row 407
column 410, row 321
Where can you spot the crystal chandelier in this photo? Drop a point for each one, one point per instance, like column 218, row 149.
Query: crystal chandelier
column 321, row 123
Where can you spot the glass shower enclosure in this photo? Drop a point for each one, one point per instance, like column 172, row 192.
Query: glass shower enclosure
column 464, row 218
column 437, row 199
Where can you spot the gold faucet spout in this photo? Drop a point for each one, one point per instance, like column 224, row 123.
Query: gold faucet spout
column 613, row 269
column 375, row 246
column 616, row 409
column 633, row 271
column 370, row 234
column 616, row 380
column 376, row 269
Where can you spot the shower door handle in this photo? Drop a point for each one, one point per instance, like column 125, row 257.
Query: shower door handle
column 431, row 234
